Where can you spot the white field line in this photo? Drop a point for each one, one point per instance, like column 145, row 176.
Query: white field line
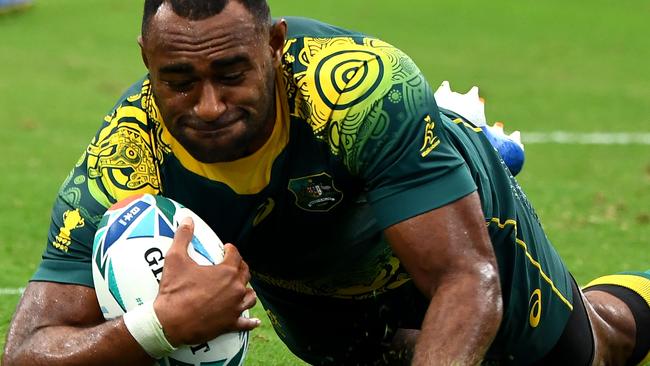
column 586, row 138
column 12, row 291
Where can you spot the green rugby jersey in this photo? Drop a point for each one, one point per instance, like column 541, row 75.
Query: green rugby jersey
column 358, row 145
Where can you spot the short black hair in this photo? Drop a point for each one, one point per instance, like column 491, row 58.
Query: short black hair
column 202, row 9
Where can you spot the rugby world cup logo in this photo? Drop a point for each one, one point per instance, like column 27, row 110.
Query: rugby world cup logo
column 114, row 225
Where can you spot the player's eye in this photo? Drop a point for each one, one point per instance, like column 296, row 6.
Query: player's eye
column 180, row 85
column 232, row 78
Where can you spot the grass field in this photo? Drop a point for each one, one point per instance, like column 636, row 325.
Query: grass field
column 543, row 66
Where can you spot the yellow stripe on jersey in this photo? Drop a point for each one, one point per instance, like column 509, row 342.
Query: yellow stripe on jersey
column 248, row 175
column 638, row 284
column 535, row 263
column 471, row 127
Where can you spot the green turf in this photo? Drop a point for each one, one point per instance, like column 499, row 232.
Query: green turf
column 543, row 66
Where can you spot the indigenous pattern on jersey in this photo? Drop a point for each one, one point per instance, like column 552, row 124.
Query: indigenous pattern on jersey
column 358, row 145
column 120, row 161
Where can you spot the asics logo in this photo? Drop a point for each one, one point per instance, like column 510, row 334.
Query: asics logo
column 535, row 306
column 263, row 211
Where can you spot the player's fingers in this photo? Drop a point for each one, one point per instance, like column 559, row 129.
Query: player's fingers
column 182, row 239
column 250, row 298
column 231, row 256
column 244, row 323
column 244, row 273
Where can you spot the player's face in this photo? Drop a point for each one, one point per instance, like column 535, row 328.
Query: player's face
column 213, row 80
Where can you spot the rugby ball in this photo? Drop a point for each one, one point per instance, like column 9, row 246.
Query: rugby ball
column 128, row 256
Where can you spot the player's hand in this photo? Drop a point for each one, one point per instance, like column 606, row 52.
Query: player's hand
column 198, row 303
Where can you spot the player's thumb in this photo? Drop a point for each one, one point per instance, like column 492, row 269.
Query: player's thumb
column 182, row 239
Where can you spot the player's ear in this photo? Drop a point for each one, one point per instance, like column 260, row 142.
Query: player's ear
column 278, row 35
column 142, row 52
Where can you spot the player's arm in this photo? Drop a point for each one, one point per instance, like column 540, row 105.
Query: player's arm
column 449, row 255
column 423, row 193
column 59, row 324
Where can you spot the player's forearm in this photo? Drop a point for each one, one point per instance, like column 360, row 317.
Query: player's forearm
column 109, row 343
column 461, row 322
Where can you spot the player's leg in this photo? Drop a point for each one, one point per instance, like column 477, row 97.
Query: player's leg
column 470, row 107
column 619, row 309
column 576, row 346
column 509, row 146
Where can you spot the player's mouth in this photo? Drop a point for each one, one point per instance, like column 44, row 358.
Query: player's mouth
column 207, row 129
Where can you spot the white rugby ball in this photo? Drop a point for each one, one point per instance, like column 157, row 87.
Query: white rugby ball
column 128, row 256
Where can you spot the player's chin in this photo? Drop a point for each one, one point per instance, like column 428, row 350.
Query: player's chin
column 219, row 147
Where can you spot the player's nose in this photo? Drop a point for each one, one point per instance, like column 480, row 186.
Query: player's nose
column 210, row 105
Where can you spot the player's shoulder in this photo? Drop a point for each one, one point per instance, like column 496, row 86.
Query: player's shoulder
column 121, row 158
column 131, row 118
column 331, row 72
column 311, row 41
column 300, row 27
column 136, row 102
column 343, row 68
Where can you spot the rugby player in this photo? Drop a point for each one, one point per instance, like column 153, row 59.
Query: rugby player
column 378, row 228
